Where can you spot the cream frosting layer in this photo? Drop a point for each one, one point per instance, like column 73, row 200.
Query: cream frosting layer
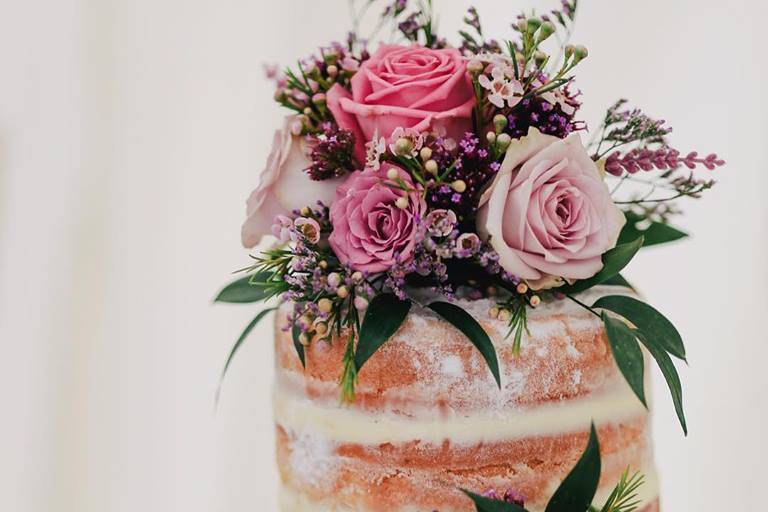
column 348, row 425
column 293, row 501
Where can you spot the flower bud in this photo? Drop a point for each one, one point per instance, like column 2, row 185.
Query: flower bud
column 580, row 53
column 546, row 30
column 402, row 203
column 403, row 146
column 307, row 111
column 334, row 279
column 505, row 315
column 321, row 328
column 491, row 136
column 475, row 67
column 533, row 23
column 357, row 277
column 361, row 303
column 540, row 58
column 493, row 312
column 535, row 301
column 522, row 25
column 322, row 264
column 332, row 70
column 425, row 153
column 504, row 140
column 305, row 211
column 569, row 49
column 325, row 305
column 431, row 166
column 392, row 173
column 319, row 99
column 522, row 288
column 304, row 339
column 342, row 292
column 500, row 122
column 459, row 186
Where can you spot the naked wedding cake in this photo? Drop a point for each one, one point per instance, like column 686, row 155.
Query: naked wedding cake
column 442, row 251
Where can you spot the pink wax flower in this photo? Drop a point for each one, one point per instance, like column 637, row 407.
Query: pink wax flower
column 405, row 86
column 548, row 212
column 375, row 224
column 283, row 186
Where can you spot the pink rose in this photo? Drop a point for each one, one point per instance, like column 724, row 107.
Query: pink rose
column 548, row 211
column 374, row 224
column 409, row 87
column 283, row 186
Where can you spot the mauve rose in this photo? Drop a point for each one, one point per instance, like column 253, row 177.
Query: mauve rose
column 548, row 212
column 370, row 231
column 283, row 186
column 409, row 87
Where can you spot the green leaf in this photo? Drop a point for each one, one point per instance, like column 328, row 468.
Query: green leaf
column 647, row 320
column 618, row 280
column 656, row 233
column 614, row 262
column 239, row 342
column 484, row 504
column 464, row 322
column 627, row 353
column 246, row 289
column 295, row 332
column 669, row 371
column 578, row 489
column 384, row 316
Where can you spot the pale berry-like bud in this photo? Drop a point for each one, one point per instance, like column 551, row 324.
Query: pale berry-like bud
column 402, row 203
column 392, row 173
column 332, row 70
column 361, row 303
column 305, row 211
column 305, row 320
column 304, row 339
column 325, row 305
column 334, row 279
column 403, row 146
column 540, row 58
column 493, row 312
column 459, row 186
column 322, row 264
column 522, row 25
column 342, row 292
column 533, row 23
column 321, row 328
column 431, row 166
column 580, row 53
column 307, row 111
column 535, row 301
column 500, row 122
column 569, row 50
column 319, row 99
column 504, row 140
column 357, row 277
column 522, row 288
column 475, row 67
column 505, row 315
column 425, row 153
column 491, row 137
column 546, row 30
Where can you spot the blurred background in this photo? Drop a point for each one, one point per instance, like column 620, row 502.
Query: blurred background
column 131, row 132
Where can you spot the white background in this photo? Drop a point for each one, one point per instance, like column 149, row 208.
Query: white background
column 131, row 132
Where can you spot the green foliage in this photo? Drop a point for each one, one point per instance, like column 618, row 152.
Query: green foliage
column 251, row 288
column 484, row 504
column 654, row 234
column 627, row 353
column 464, row 322
column 614, row 262
column 578, row 489
column 295, row 332
column 239, row 342
column 624, row 498
column 384, row 316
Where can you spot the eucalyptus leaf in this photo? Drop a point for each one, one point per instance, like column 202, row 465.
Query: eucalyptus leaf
column 239, row 342
column 627, row 353
column 483, row 504
column 384, row 316
column 466, row 323
column 295, row 332
column 618, row 280
column 669, row 371
column 577, row 491
column 246, row 290
column 647, row 320
column 656, row 233
column 614, row 262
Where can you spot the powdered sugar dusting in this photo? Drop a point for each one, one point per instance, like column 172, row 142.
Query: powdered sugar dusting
column 312, row 459
column 452, row 366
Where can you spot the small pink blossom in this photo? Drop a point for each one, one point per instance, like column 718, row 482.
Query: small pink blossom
column 502, row 88
column 441, row 222
column 309, row 228
column 414, row 138
column 281, row 228
column 374, row 150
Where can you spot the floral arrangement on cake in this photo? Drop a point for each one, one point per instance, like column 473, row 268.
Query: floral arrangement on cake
column 460, row 166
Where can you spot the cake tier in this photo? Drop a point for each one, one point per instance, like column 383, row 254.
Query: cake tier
column 429, row 419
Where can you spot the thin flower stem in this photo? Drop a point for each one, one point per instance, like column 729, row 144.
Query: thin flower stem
column 577, row 301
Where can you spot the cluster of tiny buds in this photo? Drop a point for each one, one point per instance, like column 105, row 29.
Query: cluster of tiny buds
column 505, row 314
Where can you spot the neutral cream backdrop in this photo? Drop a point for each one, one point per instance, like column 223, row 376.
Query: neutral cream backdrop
column 131, row 132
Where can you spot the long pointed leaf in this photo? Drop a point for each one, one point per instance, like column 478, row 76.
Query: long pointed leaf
column 464, row 322
column 656, row 233
column 384, row 316
column 578, row 489
column 614, row 262
column 627, row 353
column 295, row 332
column 647, row 320
column 669, row 371
column 483, row 504
column 244, row 290
column 239, row 342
